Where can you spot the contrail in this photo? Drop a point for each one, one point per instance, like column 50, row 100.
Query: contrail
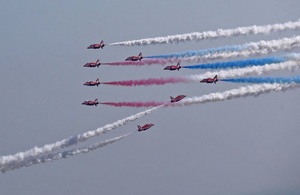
column 295, row 79
column 253, row 90
column 134, row 104
column 21, row 156
column 196, row 78
column 250, row 30
column 56, row 156
column 261, row 47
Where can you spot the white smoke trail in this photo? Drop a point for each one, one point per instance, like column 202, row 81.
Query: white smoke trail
column 252, row 90
column 21, row 156
column 250, row 30
column 59, row 155
column 238, row 72
column 255, row 48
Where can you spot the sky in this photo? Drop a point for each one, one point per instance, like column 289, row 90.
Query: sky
column 241, row 146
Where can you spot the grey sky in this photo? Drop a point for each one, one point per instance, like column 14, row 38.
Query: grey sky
column 243, row 146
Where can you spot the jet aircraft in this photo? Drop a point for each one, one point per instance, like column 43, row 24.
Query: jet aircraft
column 92, row 83
column 96, row 46
column 177, row 99
column 91, row 103
column 93, row 64
column 135, row 58
column 173, row 67
column 210, row 80
column 145, row 127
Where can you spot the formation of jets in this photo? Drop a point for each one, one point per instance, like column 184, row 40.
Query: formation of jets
column 134, row 58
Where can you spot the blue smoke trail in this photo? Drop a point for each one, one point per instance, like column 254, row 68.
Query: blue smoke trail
column 295, row 79
column 238, row 64
column 203, row 52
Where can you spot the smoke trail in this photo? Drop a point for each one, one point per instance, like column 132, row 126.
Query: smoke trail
column 238, row 64
column 223, row 49
column 134, row 104
column 21, row 156
column 253, row 90
column 250, row 30
column 262, row 46
column 196, row 78
column 254, row 48
column 268, row 47
column 143, row 62
column 56, row 156
column 295, row 79
column 146, row 82
column 223, row 74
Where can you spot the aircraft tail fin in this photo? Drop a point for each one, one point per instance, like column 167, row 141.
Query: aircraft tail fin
column 101, row 42
column 98, row 63
column 139, row 127
column 97, row 80
column 140, row 54
column 216, row 79
column 96, row 100
column 178, row 66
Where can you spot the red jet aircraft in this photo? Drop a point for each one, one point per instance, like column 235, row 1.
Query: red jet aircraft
column 93, row 64
column 91, row 103
column 178, row 98
column 135, row 58
column 92, row 83
column 173, row 67
column 96, row 46
column 210, row 80
column 145, row 127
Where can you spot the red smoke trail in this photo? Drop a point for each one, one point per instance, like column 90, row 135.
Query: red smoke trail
column 146, row 82
column 144, row 62
column 134, row 104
